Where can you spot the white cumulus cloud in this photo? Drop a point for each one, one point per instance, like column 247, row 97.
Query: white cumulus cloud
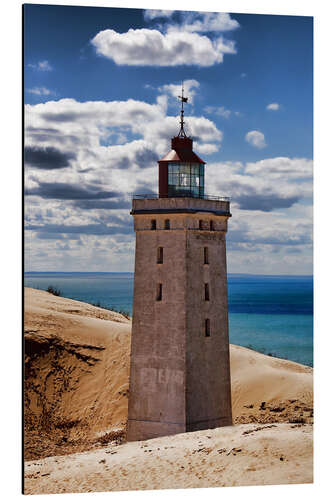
column 77, row 213
column 190, row 88
column 256, row 139
column 300, row 169
column 274, row 106
column 266, row 185
column 40, row 91
column 220, row 111
column 41, row 66
column 206, row 22
column 124, row 135
column 145, row 47
column 150, row 14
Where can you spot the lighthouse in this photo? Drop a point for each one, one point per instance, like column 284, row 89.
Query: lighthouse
column 180, row 365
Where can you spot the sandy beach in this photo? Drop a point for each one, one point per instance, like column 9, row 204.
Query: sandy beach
column 76, row 392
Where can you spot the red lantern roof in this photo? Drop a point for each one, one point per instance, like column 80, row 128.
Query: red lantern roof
column 182, row 151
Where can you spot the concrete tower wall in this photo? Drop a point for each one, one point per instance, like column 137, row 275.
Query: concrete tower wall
column 208, row 398
column 158, row 359
column 180, row 378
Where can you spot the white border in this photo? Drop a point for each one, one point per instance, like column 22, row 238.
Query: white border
column 11, row 243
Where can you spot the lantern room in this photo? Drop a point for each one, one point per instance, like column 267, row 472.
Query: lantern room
column 181, row 171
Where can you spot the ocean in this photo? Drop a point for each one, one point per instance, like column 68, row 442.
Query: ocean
column 270, row 314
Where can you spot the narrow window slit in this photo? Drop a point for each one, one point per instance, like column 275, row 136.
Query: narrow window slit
column 160, row 255
column 206, row 291
column 211, row 225
column 153, row 224
column 207, row 327
column 206, row 261
column 159, row 292
column 200, row 224
column 167, row 224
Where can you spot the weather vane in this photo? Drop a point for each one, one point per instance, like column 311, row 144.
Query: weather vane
column 182, row 99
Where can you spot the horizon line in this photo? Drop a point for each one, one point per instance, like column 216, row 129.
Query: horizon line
column 132, row 272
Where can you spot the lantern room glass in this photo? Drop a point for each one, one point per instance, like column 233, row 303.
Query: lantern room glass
column 185, row 179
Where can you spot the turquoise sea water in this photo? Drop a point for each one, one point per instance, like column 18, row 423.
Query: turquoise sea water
column 271, row 314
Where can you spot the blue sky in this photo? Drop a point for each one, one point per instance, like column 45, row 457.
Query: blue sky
column 101, row 107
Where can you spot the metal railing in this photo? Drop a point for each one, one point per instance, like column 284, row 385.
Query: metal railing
column 154, row 196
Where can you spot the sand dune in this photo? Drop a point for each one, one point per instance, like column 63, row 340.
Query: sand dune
column 227, row 456
column 76, row 388
column 257, row 378
column 76, row 373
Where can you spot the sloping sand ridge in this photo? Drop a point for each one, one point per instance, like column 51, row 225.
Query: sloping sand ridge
column 77, row 367
column 76, row 373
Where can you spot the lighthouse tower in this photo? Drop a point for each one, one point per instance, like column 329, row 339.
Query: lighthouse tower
column 180, row 367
